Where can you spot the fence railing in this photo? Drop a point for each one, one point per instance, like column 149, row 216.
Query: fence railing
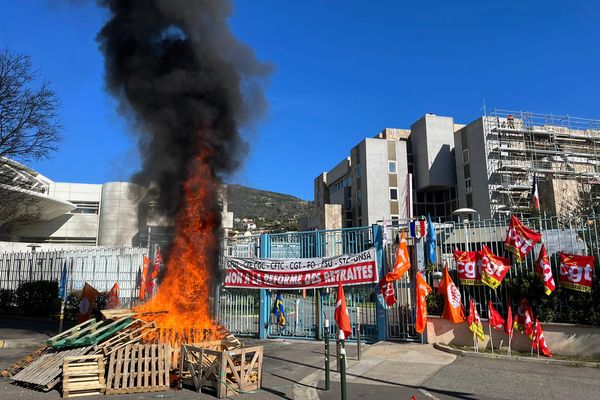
column 100, row 267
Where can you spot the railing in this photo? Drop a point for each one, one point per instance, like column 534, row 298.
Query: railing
column 100, row 267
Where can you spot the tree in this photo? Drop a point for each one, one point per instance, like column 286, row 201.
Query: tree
column 29, row 130
column 29, row 127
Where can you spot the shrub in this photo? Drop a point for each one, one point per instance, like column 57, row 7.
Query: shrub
column 7, row 299
column 38, row 298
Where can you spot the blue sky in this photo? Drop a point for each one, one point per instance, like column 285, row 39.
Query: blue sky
column 343, row 71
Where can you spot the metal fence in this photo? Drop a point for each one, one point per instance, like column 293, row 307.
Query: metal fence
column 305, row 309
column 577, row 235
column 100, row 267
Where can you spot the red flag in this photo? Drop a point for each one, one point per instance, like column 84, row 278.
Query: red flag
column 474, row 321
column 144, row 281
column 520, row 239
column 535, row 194
column 493, row 268
column 524, row 317
column 544, row 270
column 86, row 302
column 469, row 271
column 113, row 296
column 387, row 291
column 494, row 318
column 154, row 269
column 342, row 318
column 402, row 263
column 576, row 272
column 453, row 307
column 540, row 341
column 423, row 289
column 508, row 328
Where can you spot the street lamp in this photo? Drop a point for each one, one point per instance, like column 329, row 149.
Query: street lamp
column 465, row 213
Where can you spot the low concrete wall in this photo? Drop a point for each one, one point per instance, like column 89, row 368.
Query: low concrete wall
column 567, row 339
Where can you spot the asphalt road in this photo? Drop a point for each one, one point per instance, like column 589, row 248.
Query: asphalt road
column 404, row 371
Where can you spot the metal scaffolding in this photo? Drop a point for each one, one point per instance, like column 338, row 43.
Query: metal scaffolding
column 554, row 147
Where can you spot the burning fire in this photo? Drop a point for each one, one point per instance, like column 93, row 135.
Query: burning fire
column 186, row 286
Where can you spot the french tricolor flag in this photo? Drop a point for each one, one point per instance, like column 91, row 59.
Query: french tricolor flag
column 535, row 194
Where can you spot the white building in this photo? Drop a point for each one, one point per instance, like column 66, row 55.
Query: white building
column 63, row 214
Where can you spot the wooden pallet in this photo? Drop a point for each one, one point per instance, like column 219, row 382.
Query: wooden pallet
column 88, row 333
column 83, row 376
column 227, row 372
column 139, row 368
column 44, row 373
column 18, row 366
column 129, row 335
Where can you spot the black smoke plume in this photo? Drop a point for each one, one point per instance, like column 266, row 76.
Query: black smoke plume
column 185, row 82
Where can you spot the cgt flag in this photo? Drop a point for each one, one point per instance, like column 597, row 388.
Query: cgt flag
column 402, row 263
column 113, row 296
column 576, row 272
column 279, row 311
column 86, row 302
column 453, row 308
column 342, row 318
column 520, row 239
column 469, row 271
column 539, row 340
column 494, row 318
column 493, row 268
column 423, row 289
column 388, row 292
column 524, row 318
column 154, row 269
column 544, row 270
column 475, row 322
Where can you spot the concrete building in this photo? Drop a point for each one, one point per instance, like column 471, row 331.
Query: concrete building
column 498, row 154
column 438, row 166
column 61, row 214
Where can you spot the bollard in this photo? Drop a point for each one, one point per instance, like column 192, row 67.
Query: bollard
column 327, row 380
column 358, row 333
column 343, row 370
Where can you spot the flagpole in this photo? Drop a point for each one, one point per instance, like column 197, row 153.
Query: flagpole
column 475, row 346
column 62, row 316
column 343, row 370
column 509, row 352
column 491, row 339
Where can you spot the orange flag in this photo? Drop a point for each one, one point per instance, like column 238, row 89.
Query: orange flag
column 453, row 308
column 113, row 296
column 423, row 289
column 144, row 280
column 402, row 263
column 86, row 302
column 342, row 318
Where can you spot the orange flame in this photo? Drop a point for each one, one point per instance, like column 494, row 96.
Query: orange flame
column 185, row 289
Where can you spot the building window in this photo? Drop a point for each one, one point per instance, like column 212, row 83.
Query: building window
column 358, row 170
column 85, row 207
column 465, row 156
column 468, row 185
column 392, row 167
column 470, row 200
column 393, row 194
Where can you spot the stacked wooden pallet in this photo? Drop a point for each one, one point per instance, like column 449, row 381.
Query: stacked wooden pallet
column 83, row 376
column 139, row 368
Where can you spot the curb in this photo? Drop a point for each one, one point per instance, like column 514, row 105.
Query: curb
column 19, row 344
column 464, row 353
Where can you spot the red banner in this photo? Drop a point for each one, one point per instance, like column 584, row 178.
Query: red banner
column 301, row 273
column 544, row 270
column 469, row 271
column 520, row 239
column 493, row 268
column 576, row 272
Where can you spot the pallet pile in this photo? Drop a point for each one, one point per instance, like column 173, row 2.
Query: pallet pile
column 125, row 354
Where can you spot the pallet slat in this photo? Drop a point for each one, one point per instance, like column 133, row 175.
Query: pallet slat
column 83, row 376
column 136, row 369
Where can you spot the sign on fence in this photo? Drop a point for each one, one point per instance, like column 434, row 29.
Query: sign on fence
column 300, row 273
